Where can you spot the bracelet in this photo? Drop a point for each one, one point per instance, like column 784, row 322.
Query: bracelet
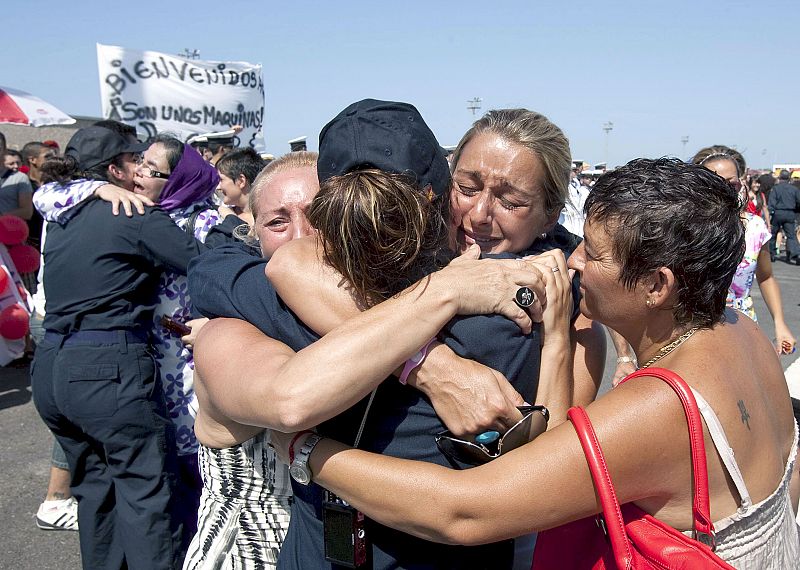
column 415, row 361
column 623, row 359
column 294, row 440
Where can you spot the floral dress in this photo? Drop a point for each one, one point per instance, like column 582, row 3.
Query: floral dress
column 175, row 362
column 756, row 235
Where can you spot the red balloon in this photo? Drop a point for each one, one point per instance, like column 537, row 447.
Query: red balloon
column 3, row 279
column 14, row 323
column 13, row 230
column 25, row 258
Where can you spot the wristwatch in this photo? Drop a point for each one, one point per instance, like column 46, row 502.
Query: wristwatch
column 299, row 469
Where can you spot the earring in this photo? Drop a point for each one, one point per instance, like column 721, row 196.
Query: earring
column 649, row 303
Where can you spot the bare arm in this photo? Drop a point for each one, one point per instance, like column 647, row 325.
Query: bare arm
column 467, row 396
column 265, row 385
column 314, row 291
column 556, row 377
column 771, row 291
column 524, row 490
column 588, row 359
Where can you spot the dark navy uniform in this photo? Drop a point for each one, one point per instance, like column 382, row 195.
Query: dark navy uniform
column 784, row 204
column 95, row 382
column 229, row 282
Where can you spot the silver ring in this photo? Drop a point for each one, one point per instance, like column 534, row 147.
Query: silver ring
column 525, row 297
column 556, row 270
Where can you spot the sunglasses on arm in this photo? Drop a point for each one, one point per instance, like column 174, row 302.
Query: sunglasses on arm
column 481, row 450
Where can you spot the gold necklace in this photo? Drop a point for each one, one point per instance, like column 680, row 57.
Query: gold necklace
column 665, row 350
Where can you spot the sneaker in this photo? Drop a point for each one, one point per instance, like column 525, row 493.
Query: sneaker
column 58, row 515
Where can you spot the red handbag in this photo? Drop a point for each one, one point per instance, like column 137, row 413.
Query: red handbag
column 628, row 537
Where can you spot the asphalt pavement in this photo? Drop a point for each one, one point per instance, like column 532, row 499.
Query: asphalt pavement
column 26, row 443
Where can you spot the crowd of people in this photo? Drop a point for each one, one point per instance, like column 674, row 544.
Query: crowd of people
column 377, row 355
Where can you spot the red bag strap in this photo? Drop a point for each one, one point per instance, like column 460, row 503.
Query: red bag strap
column 615, row 525
column 701, row 509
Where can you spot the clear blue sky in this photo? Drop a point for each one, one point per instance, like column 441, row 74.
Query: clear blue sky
column 717, row 72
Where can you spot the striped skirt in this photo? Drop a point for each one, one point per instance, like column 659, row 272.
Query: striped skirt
column 244, row 508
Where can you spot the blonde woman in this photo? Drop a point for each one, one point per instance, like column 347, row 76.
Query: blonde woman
column 245, row 501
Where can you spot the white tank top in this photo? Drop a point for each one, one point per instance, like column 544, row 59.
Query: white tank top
column 760, row 536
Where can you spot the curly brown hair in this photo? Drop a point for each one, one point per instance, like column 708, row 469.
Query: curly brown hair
column 380, row 231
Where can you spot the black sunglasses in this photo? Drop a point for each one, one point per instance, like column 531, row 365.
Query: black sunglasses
column 532, row 424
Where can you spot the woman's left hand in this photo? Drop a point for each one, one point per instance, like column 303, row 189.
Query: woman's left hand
column 785, row 342
column 559, row 306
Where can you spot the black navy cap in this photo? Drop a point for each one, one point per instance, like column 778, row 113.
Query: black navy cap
column 95, row 145
column 386, row 135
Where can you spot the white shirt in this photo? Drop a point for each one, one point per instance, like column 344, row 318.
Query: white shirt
column 572, row 216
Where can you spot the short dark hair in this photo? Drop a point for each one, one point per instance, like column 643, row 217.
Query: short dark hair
column 666, row 213
column 12, row 152
column 120, row 128
column 2, row 141
column 215, row 147
column 243, row 161
column 173, row 146
column 767, row 181
column 31, row 150
column 784, row 175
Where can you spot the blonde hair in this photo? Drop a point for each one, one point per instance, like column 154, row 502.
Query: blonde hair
column 535, row 132
column 380, row 231
column 289, row 161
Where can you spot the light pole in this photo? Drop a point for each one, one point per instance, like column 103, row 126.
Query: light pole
column 684, row 141
column 607, row 127
column 474, row 105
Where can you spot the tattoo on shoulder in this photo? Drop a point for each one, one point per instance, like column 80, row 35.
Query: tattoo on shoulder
column 745, row 415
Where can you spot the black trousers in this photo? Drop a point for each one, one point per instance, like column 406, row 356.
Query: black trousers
column 104, row 403
column 785, row 220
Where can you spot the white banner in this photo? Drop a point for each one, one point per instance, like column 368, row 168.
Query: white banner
column 157, row 92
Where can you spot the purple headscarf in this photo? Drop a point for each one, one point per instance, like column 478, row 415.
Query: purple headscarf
column 193, row 180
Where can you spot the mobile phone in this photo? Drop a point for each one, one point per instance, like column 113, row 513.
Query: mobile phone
column 173, row 326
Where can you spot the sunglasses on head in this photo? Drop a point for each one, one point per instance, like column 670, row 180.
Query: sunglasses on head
column 480, row 451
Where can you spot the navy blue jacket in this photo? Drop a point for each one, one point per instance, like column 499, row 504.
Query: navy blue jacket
column 230, row 281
